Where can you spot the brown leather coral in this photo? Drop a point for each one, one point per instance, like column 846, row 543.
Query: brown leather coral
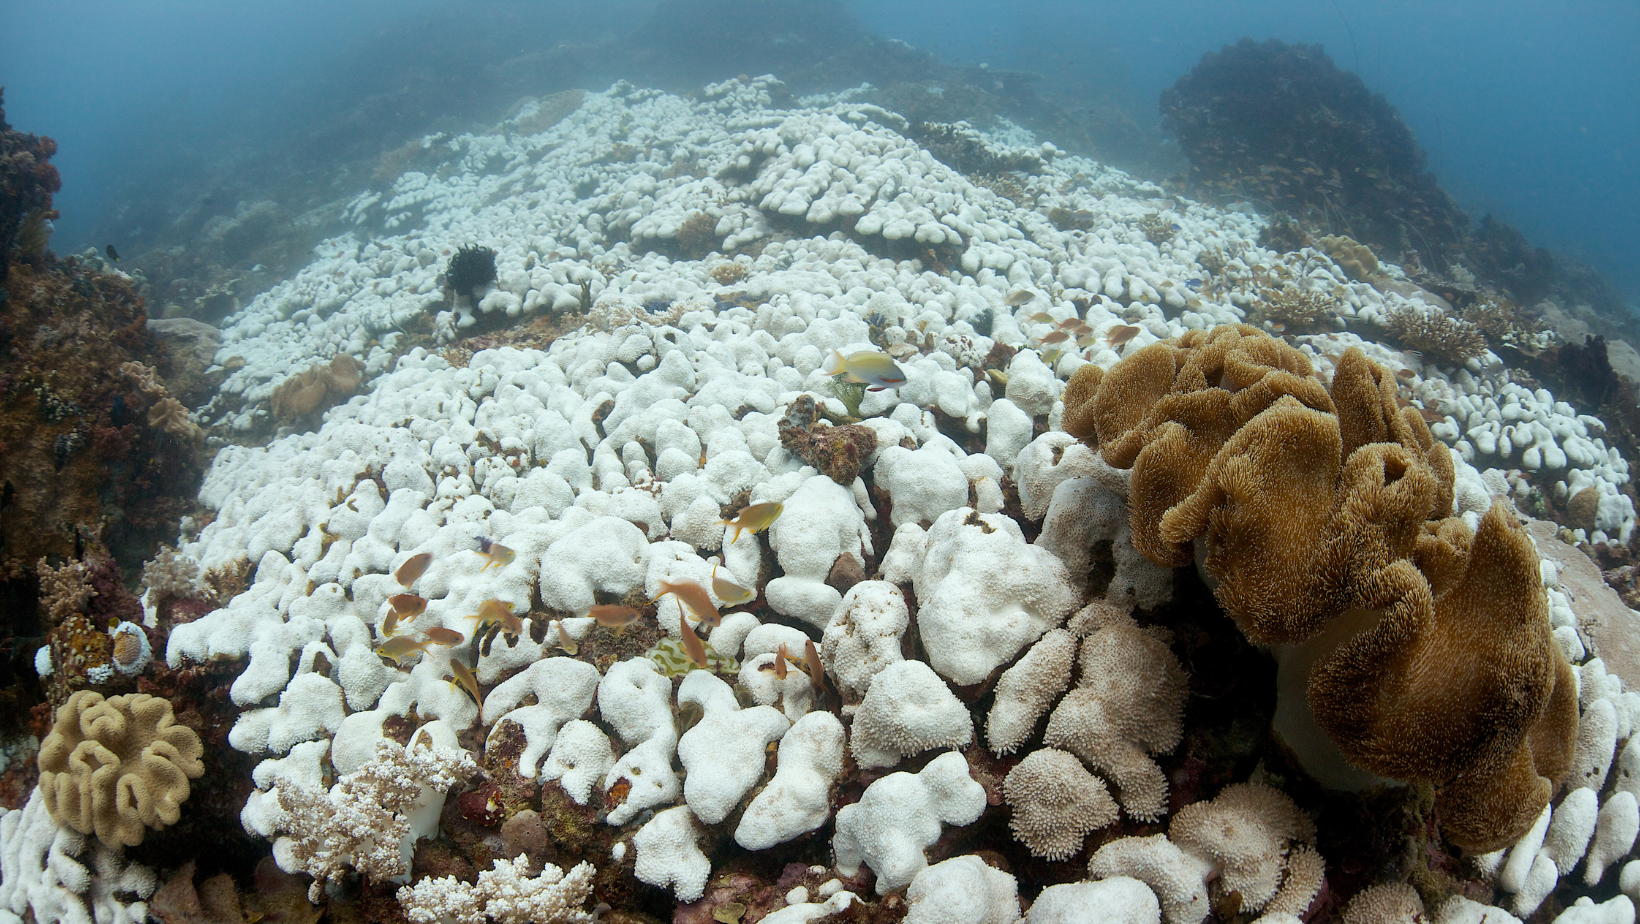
column 1314, row 504
column 1453, row 689
column 117, row 767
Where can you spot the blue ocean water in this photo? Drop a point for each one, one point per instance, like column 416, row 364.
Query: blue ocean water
column 1526, row 109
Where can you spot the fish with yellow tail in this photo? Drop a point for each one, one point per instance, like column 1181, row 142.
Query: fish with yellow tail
column 778, row 665
column 729, row 592
column 402, row 648
column 493, row 612
column 566, row 641
column 494, row 553
column 753, row 519
column 877, row 371
column 461, row 675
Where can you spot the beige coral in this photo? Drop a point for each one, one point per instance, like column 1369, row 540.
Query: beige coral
column 1385, row 903
column 169, row 415
column 1128, row 704
column 1248, row 829
column 117, row 767
column 1055, row 803
column 307, row 391
column 1027, row 689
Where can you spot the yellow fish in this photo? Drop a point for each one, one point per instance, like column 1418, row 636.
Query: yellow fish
column 402, row 648
column 390, row 623
column 463, row 676
column 866, row 367
column 1041, row 317
column 753, row 519
column 730, row 592
column 413, row 568
column 493, row 612
column 495, row 553
column 1021, row 297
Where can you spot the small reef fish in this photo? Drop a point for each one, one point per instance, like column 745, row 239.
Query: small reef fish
column 112, row 253
column 753, row 519
column 566, row 642
column 493, row 612
column 407, row 606
column 611, row 616
column 691, row 594
column 390, row 623
column 448, row 638
column 1041, row 317
column 1058, row 336
column 866, row 367
column 1121, row 334
column 461, row 675
column 811, row 663
column 691, row 642
column 402, row 648
column 1069, row 323
column 413, row 568
column 1021, row 297
column 730, row 592
column 778, row 665
column 997, row 377
column 495, row 553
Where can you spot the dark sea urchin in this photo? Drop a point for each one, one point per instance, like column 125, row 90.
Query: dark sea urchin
column 470, row 268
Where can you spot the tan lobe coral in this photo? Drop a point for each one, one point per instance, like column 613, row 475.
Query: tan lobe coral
column 1055, row 803
column 1248, row 829
column 1027, row 689
column 117, row 767
column 315, row 388
column 1127, row 705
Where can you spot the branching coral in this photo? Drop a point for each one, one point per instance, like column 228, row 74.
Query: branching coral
column 363, row 823
column 506, row 893
column 119, row 766
column 1436, row 334
column 63, row 591
column 1295, row 308
column 1328, row 512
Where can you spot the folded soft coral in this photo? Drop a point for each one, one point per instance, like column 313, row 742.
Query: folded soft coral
column 1324, row 517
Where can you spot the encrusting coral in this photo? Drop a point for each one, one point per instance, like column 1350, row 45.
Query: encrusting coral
column 1329, row 511
column 118, row 767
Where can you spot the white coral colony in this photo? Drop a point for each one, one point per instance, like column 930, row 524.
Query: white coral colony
column 896, row 608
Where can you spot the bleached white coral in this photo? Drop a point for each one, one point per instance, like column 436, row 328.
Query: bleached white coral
column 41, row 873
column 364, row 821
column 506, row 894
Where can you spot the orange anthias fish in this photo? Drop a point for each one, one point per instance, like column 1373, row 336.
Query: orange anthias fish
column 693, row 595
column 463, row 676
column 753, row 519
column 691, row 642
column 730, row 592
column 407, row 606
column 1121, row 334
column 811, row 663
column 390, row 623
column 611, row 616
column 495, row 553
column 866, row 367
column 493, row 612
column 402, row 648
column 413, row 568
column 1057, row 336
column 778, row 665
column 449, row 638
